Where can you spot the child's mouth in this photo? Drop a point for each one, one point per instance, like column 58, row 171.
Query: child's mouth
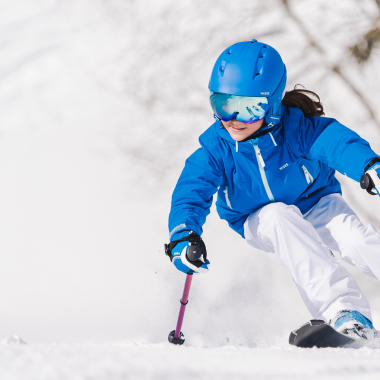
column 236, row 129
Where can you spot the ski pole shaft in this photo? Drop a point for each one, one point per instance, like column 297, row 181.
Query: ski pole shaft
column 184, row 301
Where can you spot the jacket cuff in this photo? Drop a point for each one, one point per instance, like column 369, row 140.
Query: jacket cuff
column 179, row 233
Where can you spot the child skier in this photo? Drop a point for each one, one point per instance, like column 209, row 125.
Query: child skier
column 272, row 161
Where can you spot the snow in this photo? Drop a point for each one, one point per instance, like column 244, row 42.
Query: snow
column 134, row 360
column 100, row 102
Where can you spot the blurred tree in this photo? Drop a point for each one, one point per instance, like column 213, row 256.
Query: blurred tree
column 362, row 49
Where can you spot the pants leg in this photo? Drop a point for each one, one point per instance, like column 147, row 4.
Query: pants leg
column 325, row 286
column 341, row 229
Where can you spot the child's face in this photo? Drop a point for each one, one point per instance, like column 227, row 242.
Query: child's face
column 240, row 131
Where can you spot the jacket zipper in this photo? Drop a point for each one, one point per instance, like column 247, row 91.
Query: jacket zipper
column 264, row 178
column 308, row 176
column 225, row 191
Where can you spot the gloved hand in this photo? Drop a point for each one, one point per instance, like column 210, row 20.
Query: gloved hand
column 370, row 181
column 188, row 254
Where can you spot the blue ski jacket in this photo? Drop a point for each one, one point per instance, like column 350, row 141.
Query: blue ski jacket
column 293, row 162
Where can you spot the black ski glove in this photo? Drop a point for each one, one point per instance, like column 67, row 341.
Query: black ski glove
column 370, row 180
column 188, row 254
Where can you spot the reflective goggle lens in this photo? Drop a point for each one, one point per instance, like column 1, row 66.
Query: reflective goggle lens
column 246, row 109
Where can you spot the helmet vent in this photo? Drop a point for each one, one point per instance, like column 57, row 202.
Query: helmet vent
column 259, row 67
column 222, row 67
column 229, row 51
column 260, row 62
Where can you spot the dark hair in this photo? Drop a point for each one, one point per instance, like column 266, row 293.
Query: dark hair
column 308, row 101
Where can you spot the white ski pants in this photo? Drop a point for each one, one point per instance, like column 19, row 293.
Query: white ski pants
column 303, row 243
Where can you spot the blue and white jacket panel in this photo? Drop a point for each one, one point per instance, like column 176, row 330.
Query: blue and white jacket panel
column 293, row 162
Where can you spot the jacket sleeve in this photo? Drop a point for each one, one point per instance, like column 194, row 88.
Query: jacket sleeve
column 337, row 146
column 192, row 196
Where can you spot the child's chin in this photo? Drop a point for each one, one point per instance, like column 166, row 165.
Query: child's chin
column 238, row 137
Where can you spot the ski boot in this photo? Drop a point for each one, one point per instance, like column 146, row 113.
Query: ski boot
column 354, row 324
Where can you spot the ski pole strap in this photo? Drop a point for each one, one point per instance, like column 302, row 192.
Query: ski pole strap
column 192, row 238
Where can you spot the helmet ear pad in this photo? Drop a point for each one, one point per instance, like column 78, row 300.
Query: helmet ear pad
column 274, row 114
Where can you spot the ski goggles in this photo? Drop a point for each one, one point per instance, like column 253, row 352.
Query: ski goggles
column 246, row 109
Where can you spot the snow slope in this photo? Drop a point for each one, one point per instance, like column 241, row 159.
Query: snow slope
column 132, row 360
column 100, row 102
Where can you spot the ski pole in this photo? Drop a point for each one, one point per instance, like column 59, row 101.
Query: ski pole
column 176, row 336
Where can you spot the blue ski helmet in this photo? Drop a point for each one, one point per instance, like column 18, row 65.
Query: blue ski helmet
column 252, row 69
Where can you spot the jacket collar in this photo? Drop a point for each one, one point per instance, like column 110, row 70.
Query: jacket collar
column 264, row 131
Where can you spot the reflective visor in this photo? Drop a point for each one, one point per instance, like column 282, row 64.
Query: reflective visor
column 246, row 109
